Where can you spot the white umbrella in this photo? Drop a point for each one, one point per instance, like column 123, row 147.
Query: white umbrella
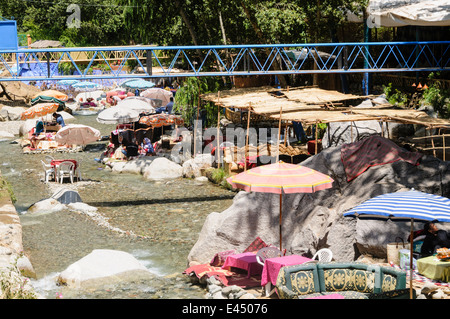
column 77, row 134
column 158, row 93
column 82, row 97
column 117, row 115
column 138, row 104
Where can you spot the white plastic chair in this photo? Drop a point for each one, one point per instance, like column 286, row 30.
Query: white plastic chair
column 267, row 252
column 65, row 169
column 78, row 170
column 261, row 256
column 48, row 159
column 49, row 171
column 324, row 254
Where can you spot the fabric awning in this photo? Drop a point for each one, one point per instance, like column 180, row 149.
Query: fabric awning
column 398, row 13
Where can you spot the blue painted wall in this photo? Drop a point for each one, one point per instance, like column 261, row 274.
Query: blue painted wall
column 8, row 30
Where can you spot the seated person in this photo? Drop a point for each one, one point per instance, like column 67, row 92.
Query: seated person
column 130, row 150
column 434, row 239
column 37, row 131
column 59, row 119
column 169, row 106
column 146, row 147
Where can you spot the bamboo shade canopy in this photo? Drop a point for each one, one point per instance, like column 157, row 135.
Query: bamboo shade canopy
column 314, row 95
column 306, row 105
column 363, row 114
column 265, row 100
column 323, row 116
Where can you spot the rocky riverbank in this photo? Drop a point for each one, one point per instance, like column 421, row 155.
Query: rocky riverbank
column 15, row 267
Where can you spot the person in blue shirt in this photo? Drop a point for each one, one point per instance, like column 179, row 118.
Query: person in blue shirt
column 59, row 119
column 169, row 106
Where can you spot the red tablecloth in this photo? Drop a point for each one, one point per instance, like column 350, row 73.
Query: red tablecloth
column 272, row 267
column 251, row 162
column 55, row 162
column 245, row 261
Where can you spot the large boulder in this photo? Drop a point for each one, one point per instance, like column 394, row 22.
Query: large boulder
column 12, row 127
column 193, row 168
column 103, row 267
column 134, row 166
column 314, row 221
column 339, row 133
column 162, row 168
column 10, row 113
column 46, row 206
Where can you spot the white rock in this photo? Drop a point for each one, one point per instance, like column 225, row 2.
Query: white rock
column 83, row 207
column 46, row 206
column 4, row 134
column 162, row 168
column 103, row 266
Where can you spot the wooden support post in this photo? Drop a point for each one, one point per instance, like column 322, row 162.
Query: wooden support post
column 246, row 140
column 317, row 135
column 218, row 130
column 443, row 147
column 279, row 134
column 432, row 143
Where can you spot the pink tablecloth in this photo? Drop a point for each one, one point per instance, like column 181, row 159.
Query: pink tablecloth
column 245, row 261
column 272, row 267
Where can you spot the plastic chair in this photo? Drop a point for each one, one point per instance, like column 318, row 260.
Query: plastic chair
column 78, row 170
column 267, row 252
column 324, row 254
column 49, row 171
column 65, row 169
column 261, row 256
column 48, row 159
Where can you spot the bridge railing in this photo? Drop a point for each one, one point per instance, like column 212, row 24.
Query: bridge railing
column 225, row 60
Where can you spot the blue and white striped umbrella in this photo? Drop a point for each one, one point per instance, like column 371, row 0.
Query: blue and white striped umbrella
column 405, row 205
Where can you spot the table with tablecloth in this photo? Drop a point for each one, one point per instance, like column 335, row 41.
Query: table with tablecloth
column 246, row 261
column 433, row 268
column 56, row 162
column 272, row 267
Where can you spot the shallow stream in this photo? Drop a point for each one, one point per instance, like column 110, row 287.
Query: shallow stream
column 163, row 220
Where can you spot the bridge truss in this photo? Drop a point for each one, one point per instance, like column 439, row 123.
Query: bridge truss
column 225, row 60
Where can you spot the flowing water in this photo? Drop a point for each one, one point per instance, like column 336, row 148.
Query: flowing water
column 160, row 221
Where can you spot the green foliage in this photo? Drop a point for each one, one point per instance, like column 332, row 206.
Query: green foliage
column 6, row 190
column 13, row 285
column 438, row 98
column 394, row 96
column 186, row 100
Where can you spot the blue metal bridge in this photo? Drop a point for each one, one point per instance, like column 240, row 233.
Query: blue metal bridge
column 225, row 60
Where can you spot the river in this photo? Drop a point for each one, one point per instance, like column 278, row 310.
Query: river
column 161, row 221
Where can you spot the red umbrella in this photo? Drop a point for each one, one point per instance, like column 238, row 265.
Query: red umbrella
column 279, row 178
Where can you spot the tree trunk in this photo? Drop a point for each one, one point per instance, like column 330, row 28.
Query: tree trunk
column 261, row 38
column 189, row 26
